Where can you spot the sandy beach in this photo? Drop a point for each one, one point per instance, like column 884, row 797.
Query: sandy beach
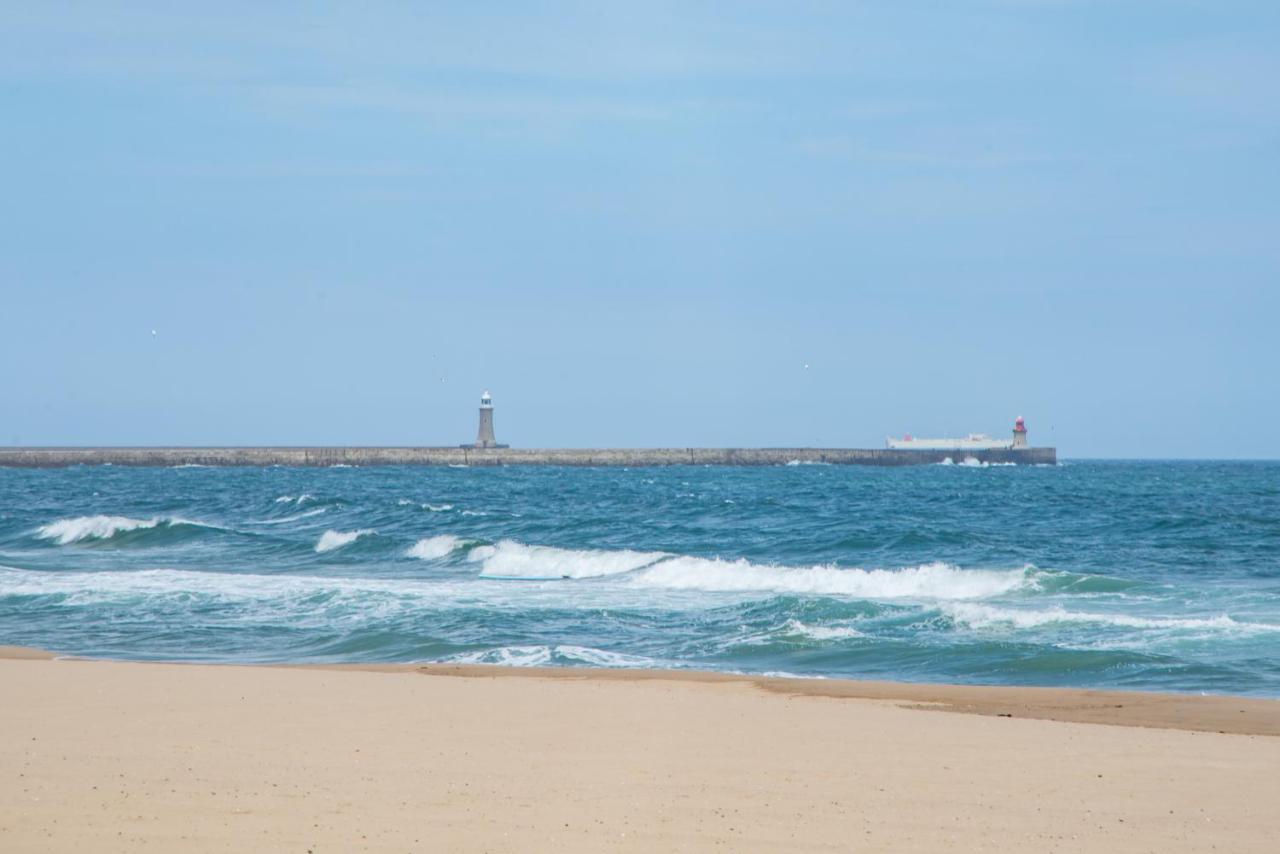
column 109, row 756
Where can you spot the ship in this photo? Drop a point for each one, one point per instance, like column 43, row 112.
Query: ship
column 971, row 442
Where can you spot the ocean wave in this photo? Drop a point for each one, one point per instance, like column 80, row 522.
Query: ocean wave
column 510, row 559
column 102, row 527
column 331, row 539
column 930, row 581
column 65, row 531
column 977, row 616
column 299, row 499
column 434, row 548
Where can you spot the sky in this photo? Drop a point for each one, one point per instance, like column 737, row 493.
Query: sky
column 642, row 224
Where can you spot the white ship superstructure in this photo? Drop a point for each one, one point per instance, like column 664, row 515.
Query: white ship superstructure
column 972, row 442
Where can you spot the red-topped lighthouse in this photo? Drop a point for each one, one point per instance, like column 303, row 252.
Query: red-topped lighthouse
column 1019, row 433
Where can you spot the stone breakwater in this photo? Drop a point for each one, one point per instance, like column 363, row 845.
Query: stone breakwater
column 333, row 456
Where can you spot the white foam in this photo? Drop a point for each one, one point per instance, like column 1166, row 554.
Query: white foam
column 808, row 463
column 821, row 633
column 65, row 531
column 320, row 601
column 508, row 656
column 196, row 523
column 930, row 581
column 301, row 499
column 315, row 511
column 434, row 548
column 603, row 657
column 250, row 599
column 941, row 581
column 972, row 463
column 978, row 616
column 540, row 655
column 434, row 508
column 517, row 560
column 331, row 540
column 80, row 528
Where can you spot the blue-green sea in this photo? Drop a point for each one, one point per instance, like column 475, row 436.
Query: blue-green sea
column 1136, row 575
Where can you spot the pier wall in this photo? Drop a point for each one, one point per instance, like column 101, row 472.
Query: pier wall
column 58, row 457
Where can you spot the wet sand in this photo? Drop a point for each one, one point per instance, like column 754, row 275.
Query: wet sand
column 113, row 757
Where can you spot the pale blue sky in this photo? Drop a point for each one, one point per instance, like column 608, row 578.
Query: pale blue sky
column 637, row 223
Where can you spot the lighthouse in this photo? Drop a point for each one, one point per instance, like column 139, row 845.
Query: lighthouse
column 484, row 438
column 1019, row 433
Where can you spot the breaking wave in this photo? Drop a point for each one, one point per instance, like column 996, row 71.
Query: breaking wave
column 510, row 559
column 331, row 539
column 102, row 528
column 821, row 633
column 930, row 581
column 434, row 548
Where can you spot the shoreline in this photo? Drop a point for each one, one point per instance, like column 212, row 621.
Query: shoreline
column 1215, row 713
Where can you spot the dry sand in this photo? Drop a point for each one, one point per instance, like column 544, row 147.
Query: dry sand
column 105, row 757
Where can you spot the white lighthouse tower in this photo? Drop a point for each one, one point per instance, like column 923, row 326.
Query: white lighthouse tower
column 1019, row 433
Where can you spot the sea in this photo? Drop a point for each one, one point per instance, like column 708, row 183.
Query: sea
column 1108, row 574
